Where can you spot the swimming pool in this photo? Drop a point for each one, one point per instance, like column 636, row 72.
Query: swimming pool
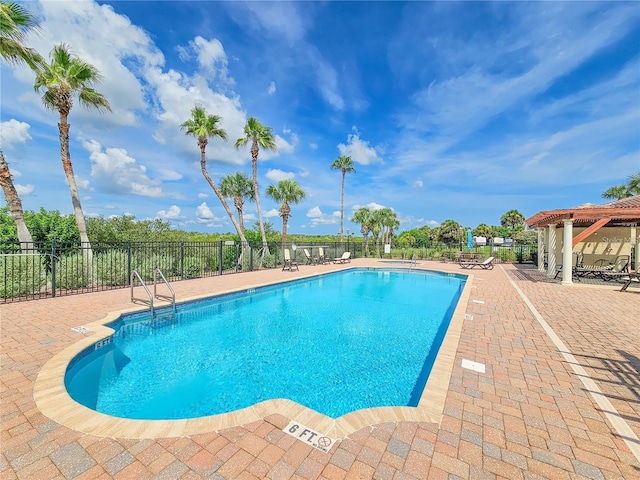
column 317, row 342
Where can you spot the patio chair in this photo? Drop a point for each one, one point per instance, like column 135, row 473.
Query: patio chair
column 311, row 260
column 594, row 269
column 629, row 279
column 289, row 264
column 346, row 257
column 486, row 264
column 322, row 258
column 618, row 269
column 577, row 263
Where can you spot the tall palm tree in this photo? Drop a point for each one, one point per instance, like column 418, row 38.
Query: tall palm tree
column 238, row 186
column 260, row 137
column 286, row 191
column 629, row 189
column 345, row 165
column 64, row 77
column 16, row 23
column 364, row 216
column 14, row 204
column 203, row 127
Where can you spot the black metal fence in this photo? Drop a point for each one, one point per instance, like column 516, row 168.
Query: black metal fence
column 56, row 269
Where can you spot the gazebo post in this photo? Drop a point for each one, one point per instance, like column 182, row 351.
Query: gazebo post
column 567, row 251
column 541, row 232
column 551, row 256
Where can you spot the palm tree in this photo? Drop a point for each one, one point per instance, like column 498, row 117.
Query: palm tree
column 363, row 216
column 14, row 205
column 203, row 127
column 238, row 186
column 345, row 165
column 631, row 188
column 512, row 219
column 286, row 191
column 260, row 136
column 15, row 23
column 65, row 77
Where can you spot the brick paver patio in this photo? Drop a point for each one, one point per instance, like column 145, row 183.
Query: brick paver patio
column 528, row 416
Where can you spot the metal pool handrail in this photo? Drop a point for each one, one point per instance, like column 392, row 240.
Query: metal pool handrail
column 172, row 297
column 134, row 274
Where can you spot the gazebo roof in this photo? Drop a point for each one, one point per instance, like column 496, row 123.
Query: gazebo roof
column 621, row 213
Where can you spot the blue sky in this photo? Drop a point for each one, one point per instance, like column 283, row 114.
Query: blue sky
column 449, row 110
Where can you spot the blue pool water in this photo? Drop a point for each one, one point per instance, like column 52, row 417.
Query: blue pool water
column 335, row 343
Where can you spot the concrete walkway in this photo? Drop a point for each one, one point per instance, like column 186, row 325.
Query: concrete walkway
column 559, row 399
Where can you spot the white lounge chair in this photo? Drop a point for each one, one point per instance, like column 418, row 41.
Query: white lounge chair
column 346, row 257
column 484, row 264
column 288, row 262
column 322, row 258
column 311, row 260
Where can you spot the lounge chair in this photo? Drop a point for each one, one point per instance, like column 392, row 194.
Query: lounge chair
column 346, row 257
column 311, row 260
column 322, row 258
column 470, row 263
column 576, row 260
column 629, row 279
column 618, row 270
column 289, row 264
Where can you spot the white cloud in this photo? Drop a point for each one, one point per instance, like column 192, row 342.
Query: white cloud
column 272, row 88
column 359, row 150
column 172, row 214
column 283, row 146
column 319, row 218
column 24, row 190
column 83, row 183
column 371, row 206
column 418, row 183
column 203, row 195
column 276, row 175
column 272, row 213
column 313, row 146
column 203, row 212
column 13, row 133
column 116, row 172
column 169, row 174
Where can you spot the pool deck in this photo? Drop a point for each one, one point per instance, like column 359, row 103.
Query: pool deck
column 559, row 398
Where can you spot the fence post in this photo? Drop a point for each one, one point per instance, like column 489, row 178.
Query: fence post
column 129, row 263
column 250, row 258
column 220, row 246
column 53, row 268
column 237, row 255
column 182, row 260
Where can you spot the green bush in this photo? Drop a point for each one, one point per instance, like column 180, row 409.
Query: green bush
column 146, row 264
column 21, row 275
column 192, row 267
column 112, row 268
column 73, row 272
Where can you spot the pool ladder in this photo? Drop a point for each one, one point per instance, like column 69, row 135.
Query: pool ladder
column 170, row 298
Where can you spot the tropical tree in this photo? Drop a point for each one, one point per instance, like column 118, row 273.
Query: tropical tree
column 260, row 137
column 345, row 165
column 202, row 127
column 364, row 217
column 631, row 188
column 450, row 232
column 286, row 192
column 482, row 230
column 512, row 219
column 63, row 78
column 15, row 24
column 238, row 186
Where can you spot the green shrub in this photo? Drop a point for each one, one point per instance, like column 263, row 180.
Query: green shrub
column 73, row 272
column 146, row 264
column 112, row 268
column 21, row 275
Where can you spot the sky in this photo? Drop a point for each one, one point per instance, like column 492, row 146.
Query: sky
column 449, row 110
